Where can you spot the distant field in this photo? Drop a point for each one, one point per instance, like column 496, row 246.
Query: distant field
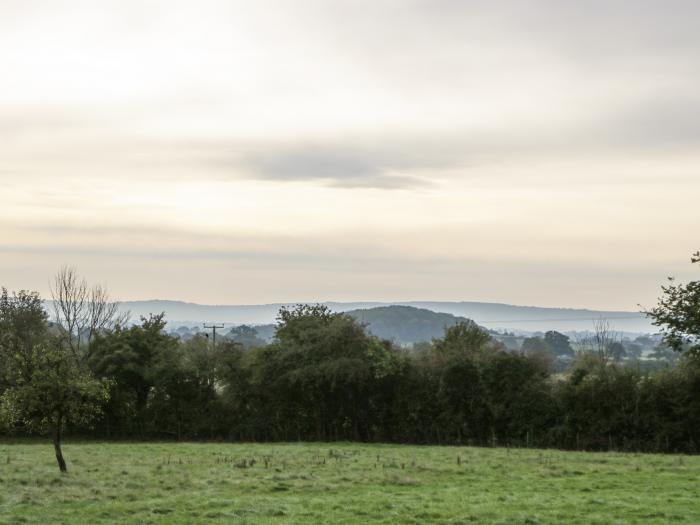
column 341, row 483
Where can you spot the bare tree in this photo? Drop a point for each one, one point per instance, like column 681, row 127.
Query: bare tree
column 81, row 310
column 602, row 341
column 103, row 312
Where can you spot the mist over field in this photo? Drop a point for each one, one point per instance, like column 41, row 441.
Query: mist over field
column 494, row 316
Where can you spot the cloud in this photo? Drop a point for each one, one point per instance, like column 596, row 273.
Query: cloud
column 353, row 94
column 346, row 166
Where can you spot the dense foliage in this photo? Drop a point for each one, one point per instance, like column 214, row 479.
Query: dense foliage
column 325, row 378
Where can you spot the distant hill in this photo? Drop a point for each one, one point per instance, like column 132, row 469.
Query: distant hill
column 404, row 324
column 491, row 315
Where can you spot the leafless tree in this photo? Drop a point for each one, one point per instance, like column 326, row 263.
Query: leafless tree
column 601, row 341
column 81, row 310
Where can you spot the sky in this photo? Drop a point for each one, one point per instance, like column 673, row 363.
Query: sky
column 233, row 152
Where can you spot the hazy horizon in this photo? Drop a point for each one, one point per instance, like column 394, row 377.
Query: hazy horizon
column 369, row 302
column 229, row 152
column 521, row 318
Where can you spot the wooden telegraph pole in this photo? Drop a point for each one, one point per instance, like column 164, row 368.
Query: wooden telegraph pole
column 213, row 328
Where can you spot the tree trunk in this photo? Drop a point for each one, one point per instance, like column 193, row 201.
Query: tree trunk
column 57, row 446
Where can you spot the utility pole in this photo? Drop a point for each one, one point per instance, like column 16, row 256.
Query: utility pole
column 213, row 329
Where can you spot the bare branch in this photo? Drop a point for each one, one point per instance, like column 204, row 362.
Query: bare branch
column 82, row 311
column 602, row 341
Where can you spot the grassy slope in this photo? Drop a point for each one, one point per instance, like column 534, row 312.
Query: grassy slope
column 346, row 483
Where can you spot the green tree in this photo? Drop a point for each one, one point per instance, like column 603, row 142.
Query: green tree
column 23, row 324
column 518, row 396
column 458, row 360
column 559, row 343
column 130, row 358
column 465, row 338
column 246, row 336
column 322, row 377
column 46, row 388
column 185, row 400
column 678, row 315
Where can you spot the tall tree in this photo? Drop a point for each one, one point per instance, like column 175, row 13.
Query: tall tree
column 129, row 357
column 322, row 376
column 458, row 359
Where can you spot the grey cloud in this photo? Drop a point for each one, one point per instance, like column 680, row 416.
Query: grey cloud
column 337, row 167
column 407, row 162
column 396, row 161
column 347, row 165
column 642, row 125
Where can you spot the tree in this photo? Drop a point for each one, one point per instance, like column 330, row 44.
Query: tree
column 458, row 362
column 185, row 401
column 45, row 386
column 322, row 377
column 23, row 324
column 80, row 310
column 678, row 314
column 517, row 395
column 465, row 338
column 602, row 343
column 560, row 344
column 129, row 357
column 246, row 336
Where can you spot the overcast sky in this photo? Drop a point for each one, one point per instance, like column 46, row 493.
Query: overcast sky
column 542, row 153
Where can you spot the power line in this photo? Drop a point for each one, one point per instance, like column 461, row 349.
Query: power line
column 213, row 328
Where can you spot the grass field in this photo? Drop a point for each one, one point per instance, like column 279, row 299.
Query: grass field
column 340, row 483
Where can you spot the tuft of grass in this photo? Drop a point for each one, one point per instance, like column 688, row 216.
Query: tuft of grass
column 202, row 483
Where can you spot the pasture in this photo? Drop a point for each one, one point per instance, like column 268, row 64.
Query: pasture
column 207, row 483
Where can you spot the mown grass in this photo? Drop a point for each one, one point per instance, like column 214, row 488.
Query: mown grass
column 166, row 483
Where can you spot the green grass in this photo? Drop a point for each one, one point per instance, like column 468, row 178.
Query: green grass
column 340, row 483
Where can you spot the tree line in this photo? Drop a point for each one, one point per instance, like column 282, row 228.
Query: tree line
column 324, row 378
